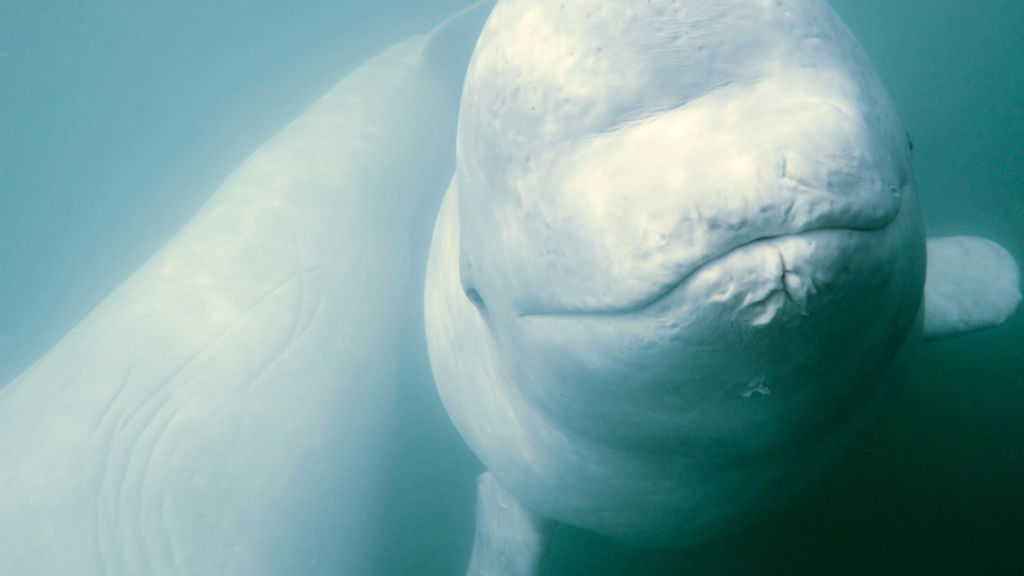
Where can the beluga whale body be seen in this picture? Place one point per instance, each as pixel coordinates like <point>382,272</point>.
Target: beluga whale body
<point>229,409</point>
<point>678,266</point>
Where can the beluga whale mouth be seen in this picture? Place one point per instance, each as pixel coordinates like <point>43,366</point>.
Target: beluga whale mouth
<point>783,285</point>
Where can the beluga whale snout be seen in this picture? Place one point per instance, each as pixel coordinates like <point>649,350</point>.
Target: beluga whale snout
<point>680,254</point>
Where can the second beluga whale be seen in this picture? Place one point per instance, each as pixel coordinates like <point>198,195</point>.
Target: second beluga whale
<point>679,260</point>
<point>230,408</point>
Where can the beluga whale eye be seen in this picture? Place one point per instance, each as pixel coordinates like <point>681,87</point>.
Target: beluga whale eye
<point>477,301</point>
<point>696,228</point>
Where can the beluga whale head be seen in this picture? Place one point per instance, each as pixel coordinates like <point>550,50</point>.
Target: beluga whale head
<point>681,249</point>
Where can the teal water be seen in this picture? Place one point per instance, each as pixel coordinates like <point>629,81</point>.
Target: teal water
<point>118,120</point>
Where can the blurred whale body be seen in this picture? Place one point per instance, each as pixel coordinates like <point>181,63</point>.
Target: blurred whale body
<point>681,252</point>
<point>228,409</point>
<point>673,276</point>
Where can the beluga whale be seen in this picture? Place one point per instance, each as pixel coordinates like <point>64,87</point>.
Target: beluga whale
<point>230,408</point>
<point>679,267</point>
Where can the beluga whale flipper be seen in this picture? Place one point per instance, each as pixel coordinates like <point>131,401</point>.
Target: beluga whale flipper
<point>227,409</point>
<point>680,258</point>
<point>972,283</point>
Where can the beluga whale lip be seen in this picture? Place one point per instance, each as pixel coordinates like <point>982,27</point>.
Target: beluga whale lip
<point>653,300</point>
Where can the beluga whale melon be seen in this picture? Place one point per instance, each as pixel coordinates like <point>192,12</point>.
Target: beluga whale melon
<point>677,266</point>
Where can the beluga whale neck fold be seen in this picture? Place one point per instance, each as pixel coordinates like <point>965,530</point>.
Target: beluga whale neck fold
<point>680,256</point>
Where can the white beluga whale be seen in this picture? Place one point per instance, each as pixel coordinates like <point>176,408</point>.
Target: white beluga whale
<point>680,258</point>
<point>680,249</point>
<point>229,408</point>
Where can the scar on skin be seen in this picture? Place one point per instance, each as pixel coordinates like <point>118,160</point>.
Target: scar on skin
<point>758,386</point>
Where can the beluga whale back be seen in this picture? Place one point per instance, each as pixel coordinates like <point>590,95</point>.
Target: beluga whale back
<point>680,257</point>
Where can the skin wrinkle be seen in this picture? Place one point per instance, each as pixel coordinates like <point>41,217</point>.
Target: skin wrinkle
<point>292,340</point>
<point>785,288</point>
<point>128,514</point>
<point>102,519</point>
<point>151,415</point>
<point>148,547</point>
<point>150,539</point>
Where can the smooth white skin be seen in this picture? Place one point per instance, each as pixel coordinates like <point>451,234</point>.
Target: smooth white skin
<point>510,540</point>
<point>228,409</point>
<point>681,248</point>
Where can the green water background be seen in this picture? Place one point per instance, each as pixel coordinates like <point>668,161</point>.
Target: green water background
<point>119,119</point>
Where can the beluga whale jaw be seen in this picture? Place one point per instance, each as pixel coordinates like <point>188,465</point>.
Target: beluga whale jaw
<point>679,257</point>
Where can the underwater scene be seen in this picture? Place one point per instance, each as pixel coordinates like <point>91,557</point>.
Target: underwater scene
<point>244,329</point>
